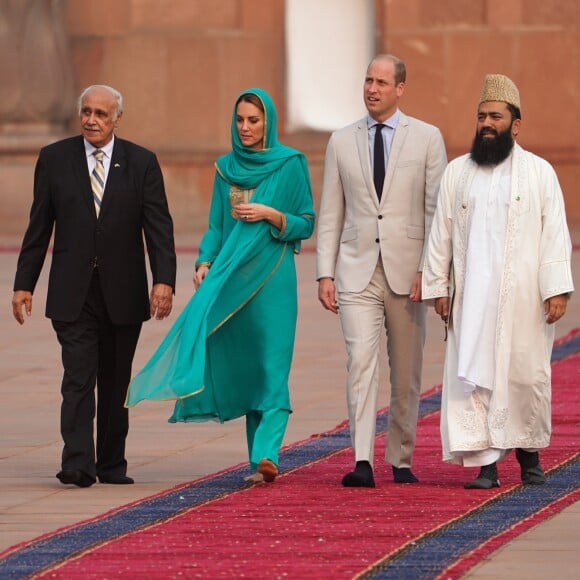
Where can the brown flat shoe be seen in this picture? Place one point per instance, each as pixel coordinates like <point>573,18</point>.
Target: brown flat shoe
<point>268,470</point>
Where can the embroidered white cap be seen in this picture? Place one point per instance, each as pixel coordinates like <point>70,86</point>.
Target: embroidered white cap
<point>498,87</point>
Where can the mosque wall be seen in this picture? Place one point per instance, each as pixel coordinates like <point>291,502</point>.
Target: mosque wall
<point>181,63</point>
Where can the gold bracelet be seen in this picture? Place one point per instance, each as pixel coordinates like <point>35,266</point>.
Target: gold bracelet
<point>283,226</point>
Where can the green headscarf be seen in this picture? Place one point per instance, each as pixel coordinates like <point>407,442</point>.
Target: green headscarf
<point>246,167</point>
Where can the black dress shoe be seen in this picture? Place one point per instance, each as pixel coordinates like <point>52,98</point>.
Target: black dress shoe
<point>530,469</point>
<point>486,479</point>
<point>75,477</point>
<point>362,476</point>
<point>116,479</point>
<point>403,475</point>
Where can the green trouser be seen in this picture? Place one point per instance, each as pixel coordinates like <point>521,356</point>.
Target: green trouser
<point>265,432</point>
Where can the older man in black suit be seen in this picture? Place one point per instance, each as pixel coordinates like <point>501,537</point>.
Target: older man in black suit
<point>101,195</point>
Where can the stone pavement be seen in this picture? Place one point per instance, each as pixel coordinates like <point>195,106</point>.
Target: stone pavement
<point>161,455</point>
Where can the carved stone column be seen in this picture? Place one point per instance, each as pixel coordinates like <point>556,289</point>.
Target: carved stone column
<point>36,85</point>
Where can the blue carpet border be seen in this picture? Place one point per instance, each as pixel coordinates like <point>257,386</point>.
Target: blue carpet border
<point>433,553</point>
<point>38,555</point>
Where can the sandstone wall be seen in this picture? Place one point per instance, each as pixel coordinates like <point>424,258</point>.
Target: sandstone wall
<point>180,64</point>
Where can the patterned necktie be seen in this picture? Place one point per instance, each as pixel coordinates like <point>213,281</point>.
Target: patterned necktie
<point>98,179</point>
<point>379,161</point>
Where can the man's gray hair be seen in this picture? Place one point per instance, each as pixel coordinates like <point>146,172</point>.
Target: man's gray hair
<point>114,92</point>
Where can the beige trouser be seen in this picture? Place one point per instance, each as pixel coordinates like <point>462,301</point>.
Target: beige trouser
<point>362,316</point>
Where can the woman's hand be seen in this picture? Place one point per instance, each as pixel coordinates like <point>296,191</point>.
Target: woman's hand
<point>199,275</point>
<point>256,212</point>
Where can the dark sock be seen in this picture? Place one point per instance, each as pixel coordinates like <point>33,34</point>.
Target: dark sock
<point>530,468</point>
<point>363,467</point>
<point>527,459</point>
<point>488,472</point>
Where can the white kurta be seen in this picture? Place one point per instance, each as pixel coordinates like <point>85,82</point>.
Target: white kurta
<point>489,197</point>
<point>532,264</point>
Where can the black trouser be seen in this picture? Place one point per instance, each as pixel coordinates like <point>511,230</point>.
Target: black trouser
<point>95,351</point>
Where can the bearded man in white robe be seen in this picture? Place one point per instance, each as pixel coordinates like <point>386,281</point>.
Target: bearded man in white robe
<point>498,266</point>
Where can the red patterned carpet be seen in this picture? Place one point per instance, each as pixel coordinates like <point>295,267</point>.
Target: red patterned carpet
<point>306,525</point>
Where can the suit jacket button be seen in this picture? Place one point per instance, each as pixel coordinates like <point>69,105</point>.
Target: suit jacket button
<point>377,240</point>
<point>380,216</point>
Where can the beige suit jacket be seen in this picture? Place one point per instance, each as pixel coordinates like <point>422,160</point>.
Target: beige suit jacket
<point>354,229</point>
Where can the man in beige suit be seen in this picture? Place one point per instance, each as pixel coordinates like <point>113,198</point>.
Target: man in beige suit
<point>374,219</point>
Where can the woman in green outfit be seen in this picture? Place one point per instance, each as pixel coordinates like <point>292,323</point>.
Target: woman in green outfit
<point>229,353</point>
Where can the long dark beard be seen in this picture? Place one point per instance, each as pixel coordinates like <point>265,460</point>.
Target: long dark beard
<point>492,151</point>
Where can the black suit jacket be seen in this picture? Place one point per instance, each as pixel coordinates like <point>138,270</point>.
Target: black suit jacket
<point>134,206</point>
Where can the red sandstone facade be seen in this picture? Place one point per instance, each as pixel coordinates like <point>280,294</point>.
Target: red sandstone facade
<point>180,64</point>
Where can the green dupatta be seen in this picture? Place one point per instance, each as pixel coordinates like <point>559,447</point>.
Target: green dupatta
<point>246,261</point>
